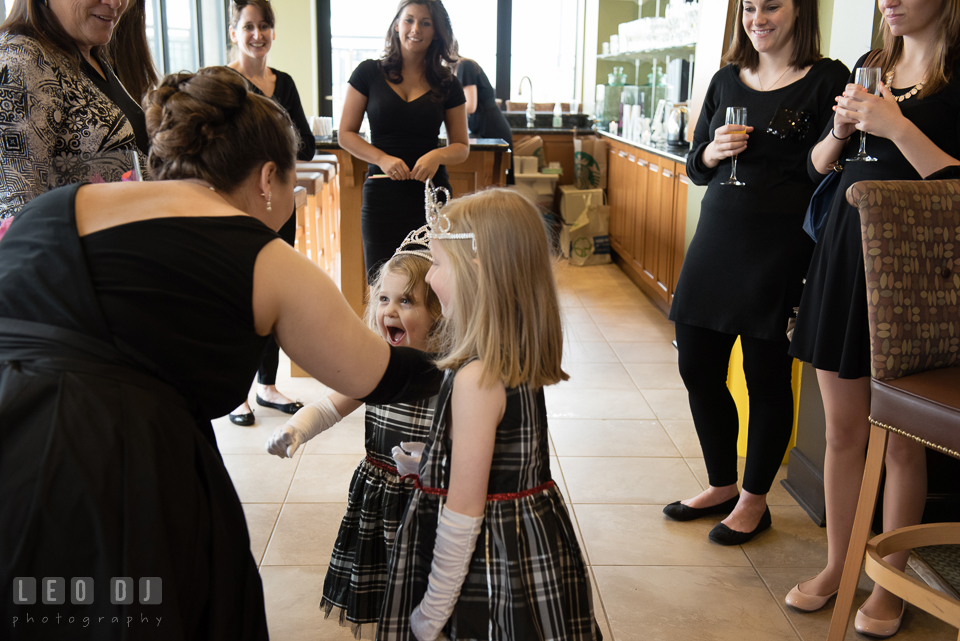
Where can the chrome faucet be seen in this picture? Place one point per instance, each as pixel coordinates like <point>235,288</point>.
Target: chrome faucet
<point>531,110</point>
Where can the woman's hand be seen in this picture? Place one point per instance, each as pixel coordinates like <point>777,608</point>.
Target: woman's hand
<point>426,166</point>
<point>395,168</point>
<point>728,140</point>
<point>876,115</point>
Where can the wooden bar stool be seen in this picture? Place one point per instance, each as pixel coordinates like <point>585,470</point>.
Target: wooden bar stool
<point>313,182</point>
<point>912,297</point>
<point>327,213</point>
<point>300,206</point>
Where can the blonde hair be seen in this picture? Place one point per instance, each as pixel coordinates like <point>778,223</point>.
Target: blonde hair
<point>947,50</point>
<point>414,269</point>
<point>505,309</point>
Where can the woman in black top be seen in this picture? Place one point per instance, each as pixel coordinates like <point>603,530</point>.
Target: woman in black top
<point>131,314</point>
<point>743,272</point>
<point>406,95</point>
<point>252,32</point>
<point>483,115</point>
<point>913,130</point>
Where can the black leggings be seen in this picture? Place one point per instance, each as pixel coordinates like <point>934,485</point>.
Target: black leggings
<point>704,360</point>
<point>270,360</point>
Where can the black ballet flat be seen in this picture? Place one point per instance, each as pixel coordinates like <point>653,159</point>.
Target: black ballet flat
<point>286,408</point>
<point>241,419</point>
<point>680,512</point>
<point>725,536</point>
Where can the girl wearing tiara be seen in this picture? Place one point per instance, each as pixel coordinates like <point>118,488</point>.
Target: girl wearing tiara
<point>404,311</point>
<point>486,549</point>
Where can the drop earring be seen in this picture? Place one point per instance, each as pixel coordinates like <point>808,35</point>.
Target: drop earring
<point>269,207</point>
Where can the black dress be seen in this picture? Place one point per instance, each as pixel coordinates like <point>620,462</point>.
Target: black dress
<point>407,130</point>
<point>487,121</point>
<point>832,331</point>
<point>743,272</point>
<point>116,350</point>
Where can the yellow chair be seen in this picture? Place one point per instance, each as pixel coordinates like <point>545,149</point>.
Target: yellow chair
<point>911,235</point>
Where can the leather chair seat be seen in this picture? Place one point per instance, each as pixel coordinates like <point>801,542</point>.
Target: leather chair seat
<point>923,405</point>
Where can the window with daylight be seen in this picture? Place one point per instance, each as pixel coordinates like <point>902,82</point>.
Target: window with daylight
<point>185,35</point>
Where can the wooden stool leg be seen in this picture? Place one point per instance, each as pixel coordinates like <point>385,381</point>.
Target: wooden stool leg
<point>867,505</point>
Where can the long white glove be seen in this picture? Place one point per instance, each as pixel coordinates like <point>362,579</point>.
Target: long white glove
<point>456,538</point>
<point>309,421</point>
<point>407,457</point>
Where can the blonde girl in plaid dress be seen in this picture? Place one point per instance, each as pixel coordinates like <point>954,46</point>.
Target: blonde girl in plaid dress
<point>404,310</point>
<point>486,549</point>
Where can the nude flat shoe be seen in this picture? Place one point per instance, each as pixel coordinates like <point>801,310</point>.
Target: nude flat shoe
<point>807,602</point>
<point>877,628</point>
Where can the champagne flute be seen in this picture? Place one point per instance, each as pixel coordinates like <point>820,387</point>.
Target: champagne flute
<point>869,79</point>
<point>736,116</point>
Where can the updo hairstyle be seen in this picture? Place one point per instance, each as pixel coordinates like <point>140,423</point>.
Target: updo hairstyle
<point>207,125</point>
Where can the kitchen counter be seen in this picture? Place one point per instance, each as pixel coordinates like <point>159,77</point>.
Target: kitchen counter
<point>537,131</point>
<point>675,154</point>
<point>328,143</point>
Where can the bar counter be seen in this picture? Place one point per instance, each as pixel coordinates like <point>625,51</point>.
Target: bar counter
<point>485,167</point>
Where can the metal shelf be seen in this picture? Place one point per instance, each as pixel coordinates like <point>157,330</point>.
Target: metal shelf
<point>650,54</point>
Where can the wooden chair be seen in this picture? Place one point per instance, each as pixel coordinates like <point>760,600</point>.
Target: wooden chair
<point>313,182</point>
<point>911,238</point>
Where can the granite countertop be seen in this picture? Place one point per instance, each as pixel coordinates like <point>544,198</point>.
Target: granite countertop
<point>677,154</point>
<point>571,131</point>
<point>476,144</point>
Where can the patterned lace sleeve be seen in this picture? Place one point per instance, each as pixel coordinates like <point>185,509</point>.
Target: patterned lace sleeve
<point>31,113</point>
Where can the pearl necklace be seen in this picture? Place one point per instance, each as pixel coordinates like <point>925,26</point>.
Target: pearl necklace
<point>759,82</point>
<point>910,94</point>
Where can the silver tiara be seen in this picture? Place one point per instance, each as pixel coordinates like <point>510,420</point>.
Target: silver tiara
<point>417,243</point>
<point>437,222</point>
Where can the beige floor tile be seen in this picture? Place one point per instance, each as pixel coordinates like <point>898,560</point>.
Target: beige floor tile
<point>588,352</point>
<point>569,298</point>
<point>598,609</point>
<point>323,478</point>
<point>609,376</point>
<point>668,404</point>
<point>557,473</point>
<point>614,296</point>
<point>305,534</point>
<point>645,352</point>
<point>626,315</point>
<point>252,439</point>
<point>778,495</point>
<point>638,332</point>
<point>684,437</point>
<point>292,599</point>
<point>719,604</point>
<point>642,535</point>
<point>582,331</point>
<point>261,519</point>
<point>574,315</point>
<point>655,375</point>
<point>794,540</point>
<point>260,478</point>
<point>611,438</point>
<point>652,481</point>
<point>917,624</point>
<point>596,403</point>
<point>346,437</point>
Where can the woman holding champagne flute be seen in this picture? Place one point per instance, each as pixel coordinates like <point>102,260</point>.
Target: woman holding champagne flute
<point>744,269</point>
<point>912,129</point>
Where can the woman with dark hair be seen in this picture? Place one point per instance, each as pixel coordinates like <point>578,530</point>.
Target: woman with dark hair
<point>743,273</point>
<point>57,64</point>
<point>252,25</point>
<point>483,115</point>
<point>133,313</point>
<point>913,130</point>
<point>407,95</point>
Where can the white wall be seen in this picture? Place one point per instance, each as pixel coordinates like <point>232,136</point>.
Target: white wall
<point>851,30</point>
<point>295,48</point>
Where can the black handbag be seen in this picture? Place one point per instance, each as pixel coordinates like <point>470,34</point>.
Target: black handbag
<point>820,202</point>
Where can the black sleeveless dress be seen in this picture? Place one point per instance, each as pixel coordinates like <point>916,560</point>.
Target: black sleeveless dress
<point>116,350</point>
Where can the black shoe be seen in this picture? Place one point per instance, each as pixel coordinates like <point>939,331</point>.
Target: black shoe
<point>680,512</point>
<point>725,536</point>
<point>286,408</point>
<point>242,419</point>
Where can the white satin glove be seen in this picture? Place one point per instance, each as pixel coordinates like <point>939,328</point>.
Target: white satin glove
<point>407,457</point>
<point>456,539</point>
<point>309,421</point>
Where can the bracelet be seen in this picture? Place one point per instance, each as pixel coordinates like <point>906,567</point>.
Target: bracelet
<point>838,137</point>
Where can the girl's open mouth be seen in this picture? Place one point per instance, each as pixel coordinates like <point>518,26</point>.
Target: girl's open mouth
<point>396,335</point>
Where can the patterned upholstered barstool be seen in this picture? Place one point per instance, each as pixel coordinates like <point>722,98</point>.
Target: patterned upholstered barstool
<point>911,248</point>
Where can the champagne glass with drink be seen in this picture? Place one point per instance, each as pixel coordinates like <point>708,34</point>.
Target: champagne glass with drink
<point>736,116</point>
<point>869,79</point>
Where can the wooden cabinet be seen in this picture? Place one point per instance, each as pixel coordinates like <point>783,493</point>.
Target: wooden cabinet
<point>557,147</point>
<point>648,210</point>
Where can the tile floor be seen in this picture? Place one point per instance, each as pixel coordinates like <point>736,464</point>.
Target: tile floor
<point>624,446</point>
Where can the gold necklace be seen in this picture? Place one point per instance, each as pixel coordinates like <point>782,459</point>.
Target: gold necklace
<point>760,82</point>
<point>910,94</point>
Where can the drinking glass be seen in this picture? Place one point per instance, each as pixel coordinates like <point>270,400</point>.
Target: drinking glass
<point>736,116</point>
<point>869,79</point>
